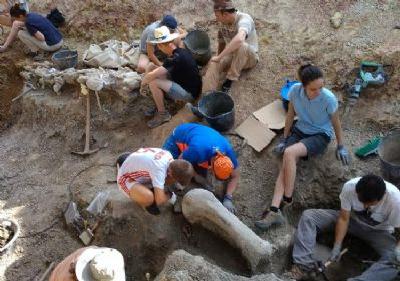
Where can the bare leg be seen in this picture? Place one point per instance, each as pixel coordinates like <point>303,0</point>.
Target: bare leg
<point>287,175</point>
<point>141,195</point>
<point>158,87</point>
<point>143,63</point>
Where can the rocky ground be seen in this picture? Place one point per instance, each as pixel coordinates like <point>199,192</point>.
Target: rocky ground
<point>40,130</point>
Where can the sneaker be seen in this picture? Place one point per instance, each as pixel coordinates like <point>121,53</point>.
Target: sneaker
<point>159,119</point>
<point>150,112</point>
<point>285,205</point>
<point>226,86</point>
<point>369,148</point>
<point>270,219</point>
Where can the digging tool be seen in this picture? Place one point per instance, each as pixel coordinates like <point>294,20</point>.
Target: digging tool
<point>47,272</point>
<point>29,87</point>
<point>86,150</point>
<point>321,267</point>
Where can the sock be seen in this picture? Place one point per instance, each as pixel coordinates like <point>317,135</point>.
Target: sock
<point>287,199</point>
<point>273,209</point>
<point>153,209</point>
<point>227,84</point>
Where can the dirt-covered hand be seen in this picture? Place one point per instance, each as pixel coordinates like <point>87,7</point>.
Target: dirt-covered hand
<point>343,155</point>
<point>335,253</point>
<point>281,146</point>
<point>229,204</point>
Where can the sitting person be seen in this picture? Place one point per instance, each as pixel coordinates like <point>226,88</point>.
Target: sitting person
<point>34,30</point>
<point>370,210</point>
<point>91,264</point>
<point>206,149</point>
<point>237,46</point>
<point>143,174</point>
<point>317,111</point>
<point>148,51</point>
<point>177,79</point>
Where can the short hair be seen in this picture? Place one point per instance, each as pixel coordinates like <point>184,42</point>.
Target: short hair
<point>17,11</point>
<point>370,188</point>
<point>122,157</point>
<point>182,171</point>
<point>308,73</point>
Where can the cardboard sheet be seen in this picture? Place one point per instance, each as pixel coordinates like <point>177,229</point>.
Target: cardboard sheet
<point>256,133</point>
<point>273,115</point>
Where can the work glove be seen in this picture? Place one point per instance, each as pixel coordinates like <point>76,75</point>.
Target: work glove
<point>281,146</point>
<point>227,202</point>
<point>343,155</point>
<point>335,253</point>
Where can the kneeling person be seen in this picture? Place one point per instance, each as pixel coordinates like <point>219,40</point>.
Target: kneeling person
<point>370,210</point>
<point>178,78</point>
<point>205,148</point>
<point>143,174</point>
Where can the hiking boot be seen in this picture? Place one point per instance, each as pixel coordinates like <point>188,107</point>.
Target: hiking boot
<point>297,273</point>
<point>194,110</point>
<point>150,112</point>
<point>270,219</point>
<point>226,86</point>
<point>159,119</point>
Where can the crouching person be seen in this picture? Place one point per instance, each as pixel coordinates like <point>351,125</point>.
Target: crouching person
<point>370,210</point>
<point>142,176</point>
<point>177,79</point>
<point>34,30</point>
<point>207,150</point>
<point>91,264</point>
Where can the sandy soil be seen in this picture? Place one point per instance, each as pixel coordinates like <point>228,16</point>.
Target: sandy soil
<point>37,166</point>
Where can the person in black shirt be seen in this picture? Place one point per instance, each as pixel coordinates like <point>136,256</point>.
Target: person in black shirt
<point>178,78</point>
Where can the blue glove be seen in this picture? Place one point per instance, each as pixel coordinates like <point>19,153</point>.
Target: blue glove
<point>343,155</point>
<point>281,146</point>
<point>335,253</point>
<point>228,204</point>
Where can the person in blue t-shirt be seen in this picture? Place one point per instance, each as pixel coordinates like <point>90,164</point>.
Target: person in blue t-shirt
<point>34,30</point>
<point>206,149</point>
<point>318,120</point>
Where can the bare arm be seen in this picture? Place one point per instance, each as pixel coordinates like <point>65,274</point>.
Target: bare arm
<point>16,26</point>
<point>342,225</point>
<point>233,45</point>
<point>152,57</point>
<point>289,120</point>
<point>160,197</point>
<point>337,127</point>
<point>233,182</point>
<point>154,74</point>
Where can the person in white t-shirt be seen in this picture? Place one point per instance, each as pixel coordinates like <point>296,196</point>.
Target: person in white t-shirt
<point>143,174</point>
<point>370,210</point>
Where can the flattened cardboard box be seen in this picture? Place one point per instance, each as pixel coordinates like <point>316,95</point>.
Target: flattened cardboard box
<point>273,115</point>
<point>256,133</point>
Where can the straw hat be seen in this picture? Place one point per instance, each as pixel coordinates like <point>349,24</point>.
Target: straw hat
<point>163,35</point>
<point>100,264</point>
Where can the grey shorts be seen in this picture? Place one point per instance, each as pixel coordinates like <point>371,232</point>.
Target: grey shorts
<point>315,144</point>
<point>176,92</point>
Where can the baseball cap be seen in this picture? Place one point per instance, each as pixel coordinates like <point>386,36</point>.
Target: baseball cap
<point>222,166</point>
<point>169,21</point>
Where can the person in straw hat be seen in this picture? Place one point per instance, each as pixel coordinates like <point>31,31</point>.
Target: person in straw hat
<point>237,46</point>
<point>91,264</point>
<point>177,79</point>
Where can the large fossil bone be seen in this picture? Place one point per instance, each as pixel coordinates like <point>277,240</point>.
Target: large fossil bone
<point>200,206</point>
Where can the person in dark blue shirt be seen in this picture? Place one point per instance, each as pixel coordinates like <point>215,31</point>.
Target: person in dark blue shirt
<point>34,30</point>
<point>206,149</point>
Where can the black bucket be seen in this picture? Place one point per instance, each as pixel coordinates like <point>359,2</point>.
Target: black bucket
<point>198,43</point>
<point>389,154</point>
<point>64,59</point>
<point>218,110</point>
